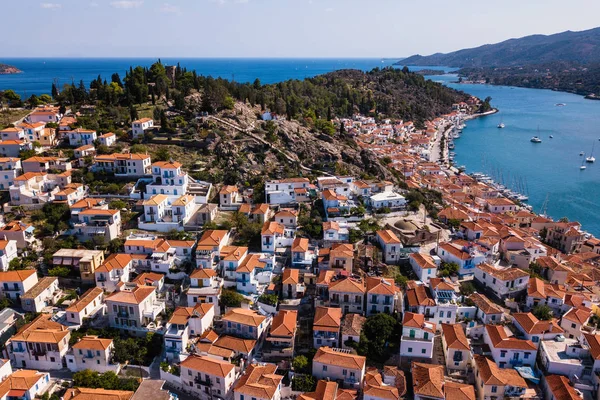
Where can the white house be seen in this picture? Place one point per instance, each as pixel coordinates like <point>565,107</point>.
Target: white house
<point>8,252</point>
<point>259,382</point>
<point>207,377</point>
<point>335,231</point>
<point>339,364</point>
<point>417,336</point>
<point>487,311</point>
<point>383,296</point>
<point>133,308</point>
<point>390,245</point>
<point>138,127</point>
<point>114,270</point>
<point>94,353</point>
<point>503,282</point>
<point>287,191</point>
<point>391,200</point>
<point>508,351</point>
<point>187,322</point>
<point>44,293</point>
<point>24,384</point>
<point>536,330</point>
<point>465,256</point>
<point>424,266</point>
<point>108,139</point>
<point>14,284</point>
<point>456,346</point>
<point>246,323</point>
<point>275,235</point>
<point>494,382</point>
<point>574,320</point>
<point>80,137</point>
<point>88,305</point>
<point>326,326</point>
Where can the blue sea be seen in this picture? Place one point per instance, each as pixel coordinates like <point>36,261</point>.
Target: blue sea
<point>549,170</point>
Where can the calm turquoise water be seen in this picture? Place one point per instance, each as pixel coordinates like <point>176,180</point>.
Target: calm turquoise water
<point>550,168</point>
<point>39,73</point>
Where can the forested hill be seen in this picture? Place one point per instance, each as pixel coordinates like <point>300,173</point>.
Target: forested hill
<point>389,92</point>
<point>573,47</point>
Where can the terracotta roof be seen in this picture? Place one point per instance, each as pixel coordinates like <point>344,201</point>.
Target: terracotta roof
<point>419,296</point>
<point>535,288</point>
<point>260,209</point>
<point>156,200</point>
<point>235,344</point>
<point>388,236</point>
<point>16,276</point>
<point>327,319</point>
<point>233,253</point>
<point>212,237</point>
<point>290,276</point>
<point>326,390</point>
<point>284,323</point>
<point>428,379</point>
<point>272,228</point>
<point>384,286</point>
<point>148,278</point>
<point>561,388</point>
<point>413,320</point>
<point>348,285</point>
<point>167,164</point>
<point>331,225</point>
<point>208,365</point>
<point>485,304</point>
<point>203,273</point>
<point>228,189</point>
<point>93,343</point>
<point>115,261</point>
<point>134,296</point>
<point>19,381</point>
<point>325,277</point>
<point>250,263</point>
<point>85,299</point>
<point>425,261</point>
<point>341,250</point>
<point>504,274</point>
<point>500,339</point>
<point>594,342</point>
<point>259,381</point>
<point>374,386</point>
<point>352,324</point>
<point>244,317</point>
<point>42,330</point>
<point>329,356</point>
<point>532,325</point>
<point>455,337</point>
<point>579,315</point>
<point>491,374</point>
<point>183,200</point>
<point>459,391</point>
<point>300,245</point>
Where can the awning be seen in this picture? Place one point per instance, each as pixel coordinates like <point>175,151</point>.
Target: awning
<point>528,373</point>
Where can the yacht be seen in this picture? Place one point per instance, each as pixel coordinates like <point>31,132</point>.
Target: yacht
<point>501,125</point>
<point>551,137</point>
<point>582,165</point>
<point>560,104</point>
<point>591,158</point>
<point>581,153</point>
<point>536,139</point>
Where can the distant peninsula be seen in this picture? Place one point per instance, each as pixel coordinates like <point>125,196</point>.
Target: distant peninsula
<point>9,69</point>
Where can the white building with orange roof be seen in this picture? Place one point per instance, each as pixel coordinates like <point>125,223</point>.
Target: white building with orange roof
<point>44,164</point>
<point>209,247</point>
<point>163,213</point>
<point>535,330</point>
<point>259,382</point>
<point>43,294</point>
<point>32,131</point>
<point>492,381</point>
<point>41,344</point>
<point>465,254</point>
<point>81,393</point>
<point>245,323</point>
<point>375,387</point>
<point>326,326</point>
<point>328,390</point>
<point>387,199</point>
<point>87,306</point>
<point>71,193</point>
<point>45,114</point>
<point>417,336</point>
<point>275,235</point>
<point>82,260</point>
<point>390,244</point>
<point>207,377</point>
<point>140,126</point>
<point>260,213</point>
<point>14,284</point>
<point>8,252</point>
<point>383,296</point>
<point>287,217</point>
<point>287,191</point>
<point>503,282</point>
<point>334,231</point>
<point>509,351</point>
<point>338,364</point>
<point>33,188</point>
<point>230,198</point>
<point>183,209</point>
<point>12,133</point>
<point>114,270</point>
<point>186,322</point>
<point>246,274</point>
<point>303,254</point>
<point>348,294</point>
<point>574,322</point>
<point>97,224</point>
<point>87,150</point>
<point>10,168</point>
<point>123,164</point>
<point>341,258</point>
<point>93,353</point>
<point>291,286</point>
<point>457,348</point>
<point>24,384</point>
<point>282,335</point>
<point>168,179</point>
<point>107,139</point>
<point>134,309</point>
<point>500,205</point>
<point>424,266</point>
<point>20,232</point>
<point>79,137</point>
<point>12,148</point>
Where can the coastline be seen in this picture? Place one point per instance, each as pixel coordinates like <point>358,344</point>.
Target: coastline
<point>485,114</point>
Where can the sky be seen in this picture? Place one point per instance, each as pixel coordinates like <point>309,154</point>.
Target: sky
<point>278,28</point>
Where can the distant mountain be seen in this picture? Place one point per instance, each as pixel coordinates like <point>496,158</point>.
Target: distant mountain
<point>8,69</point>
<point>573,47</point>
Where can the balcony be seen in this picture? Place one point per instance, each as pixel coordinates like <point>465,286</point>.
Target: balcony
<point>204,382</point>
<point>123,314</point>
<point>39,353</point>
<point>19,350</point>
<point>101,279</point>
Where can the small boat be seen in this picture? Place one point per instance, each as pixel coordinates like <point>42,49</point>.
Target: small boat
<point>560,104</point>
<point>582,165</point>
<point>591,158</point>
<point>551,137</point>
<point>501,125</point>
<point>536,139</point>
<point>581,153</point>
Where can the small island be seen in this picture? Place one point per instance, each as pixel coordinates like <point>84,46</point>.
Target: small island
<point>9,69</point>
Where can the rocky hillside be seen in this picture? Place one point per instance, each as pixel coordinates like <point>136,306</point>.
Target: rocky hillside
<point>8,69</point>
<point>574,47</point>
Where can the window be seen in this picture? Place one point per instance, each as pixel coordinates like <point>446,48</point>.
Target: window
<point>410,349</point>
<point>494,389</point>
<point>441,314</point>
<point>494,280</point>
<point>573,326</point>
<point>423,351</point>
<point>448,314</point>
<point>503,353</point>
<point>324,368</point>
<point>344,372</point>
<point>527,355</point>
<point>535,339</point>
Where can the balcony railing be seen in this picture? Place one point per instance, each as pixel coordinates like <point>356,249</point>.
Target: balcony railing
<point>39,353</point>
<point>123,314</point>
<point>204,382</point>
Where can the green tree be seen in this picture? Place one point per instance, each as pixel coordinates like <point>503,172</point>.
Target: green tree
<point>230,298</point>
<point>467,288</point>
<point>448,269</point>
<point>300,363</point>
<point>61,272</point>
<point>541,312</point>
<point>304,383</point>
<point>378,336</point>
<point>270,299</point>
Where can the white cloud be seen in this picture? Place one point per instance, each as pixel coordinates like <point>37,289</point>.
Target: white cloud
<point>170,8</point>
<point>50,6</point>
<point>219,2</point>
<point>242,1</point>
<point>127,3</point>
<point>94,4</point>
<point>329,9</point>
